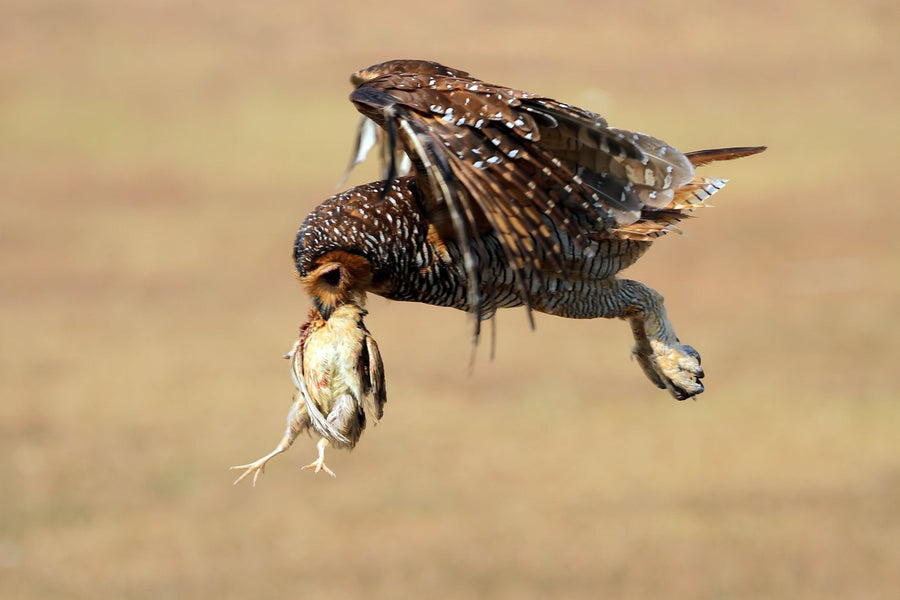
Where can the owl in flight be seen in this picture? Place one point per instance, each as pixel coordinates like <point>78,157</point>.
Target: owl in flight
<point>495,198</point>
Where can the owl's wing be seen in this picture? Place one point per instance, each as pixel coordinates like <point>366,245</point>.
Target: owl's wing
<point>491,158</point>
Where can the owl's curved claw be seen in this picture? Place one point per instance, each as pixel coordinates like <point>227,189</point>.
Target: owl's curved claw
<point>674,368</point>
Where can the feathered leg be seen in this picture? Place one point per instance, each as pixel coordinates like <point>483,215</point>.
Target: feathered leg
<point>666,362</point>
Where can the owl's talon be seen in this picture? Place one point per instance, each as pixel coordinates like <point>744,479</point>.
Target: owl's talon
<point>691,363</point>
<point>676,369</point>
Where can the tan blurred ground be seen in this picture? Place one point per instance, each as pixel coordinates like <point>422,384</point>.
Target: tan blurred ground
<point>156,159</point>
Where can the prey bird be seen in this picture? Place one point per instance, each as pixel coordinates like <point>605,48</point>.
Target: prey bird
<point>491,198</point>
<point>339,375</point>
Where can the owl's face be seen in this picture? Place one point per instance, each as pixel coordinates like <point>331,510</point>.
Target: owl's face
<point>334,254</point>
<point>336,278</point>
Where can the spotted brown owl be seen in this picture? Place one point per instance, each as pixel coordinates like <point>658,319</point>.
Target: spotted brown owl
<point>491,198</point>
<point>513,199</point>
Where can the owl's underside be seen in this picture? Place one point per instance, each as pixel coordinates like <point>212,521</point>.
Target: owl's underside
<point>410,262</point>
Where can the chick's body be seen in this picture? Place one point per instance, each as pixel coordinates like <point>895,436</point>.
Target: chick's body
<point>338,371</point>
<point>337,364</point>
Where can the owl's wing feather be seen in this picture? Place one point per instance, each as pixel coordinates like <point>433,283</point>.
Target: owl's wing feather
<point>655,221</point>
<point>367,137</point>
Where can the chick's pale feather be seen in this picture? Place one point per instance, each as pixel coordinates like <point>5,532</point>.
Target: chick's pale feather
<point>339,375</point>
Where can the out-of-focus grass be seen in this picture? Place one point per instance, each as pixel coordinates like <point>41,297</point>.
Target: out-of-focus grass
<point>155,161</point>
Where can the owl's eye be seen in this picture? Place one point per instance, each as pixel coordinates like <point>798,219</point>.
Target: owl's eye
<point>332,276</point>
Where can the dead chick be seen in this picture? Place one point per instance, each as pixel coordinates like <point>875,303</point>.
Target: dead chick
<point>339,375</point>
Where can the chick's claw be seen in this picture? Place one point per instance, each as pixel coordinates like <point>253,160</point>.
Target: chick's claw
<point>296,422</point>
<point>319,463</point>
<point>256,468</point>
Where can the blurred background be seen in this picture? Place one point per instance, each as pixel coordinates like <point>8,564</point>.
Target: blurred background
<point>156,159</point>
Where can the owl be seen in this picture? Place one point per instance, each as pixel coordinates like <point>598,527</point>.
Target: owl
<point>491,198</point>
<point>510,199</point>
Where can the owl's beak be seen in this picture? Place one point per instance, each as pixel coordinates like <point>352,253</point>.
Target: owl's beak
<point>325,309</point>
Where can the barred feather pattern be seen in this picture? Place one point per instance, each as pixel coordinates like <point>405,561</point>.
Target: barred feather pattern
<point>385,223</point>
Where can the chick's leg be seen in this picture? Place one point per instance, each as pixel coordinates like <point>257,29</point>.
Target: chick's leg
<point>319,463</point>
<point>297,421</point>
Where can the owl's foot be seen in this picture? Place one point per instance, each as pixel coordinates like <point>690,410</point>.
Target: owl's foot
<point>319,463</point>
<point>257,467</point>
<point>674,368</point>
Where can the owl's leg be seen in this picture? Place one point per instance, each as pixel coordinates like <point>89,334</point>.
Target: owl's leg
<point>666,362</point>
<point>319,463</point>
<point>663,359</point>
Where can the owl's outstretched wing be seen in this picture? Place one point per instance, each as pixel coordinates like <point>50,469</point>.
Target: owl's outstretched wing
<point>489,158</point>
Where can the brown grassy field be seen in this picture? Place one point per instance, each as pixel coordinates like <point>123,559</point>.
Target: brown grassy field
<point>156,159</point>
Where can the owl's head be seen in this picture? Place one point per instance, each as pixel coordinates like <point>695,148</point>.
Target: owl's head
<point>354,242</point>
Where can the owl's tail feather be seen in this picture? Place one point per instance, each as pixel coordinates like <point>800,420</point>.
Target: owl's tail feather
<point>704,157</point>
<point>655,222</point>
